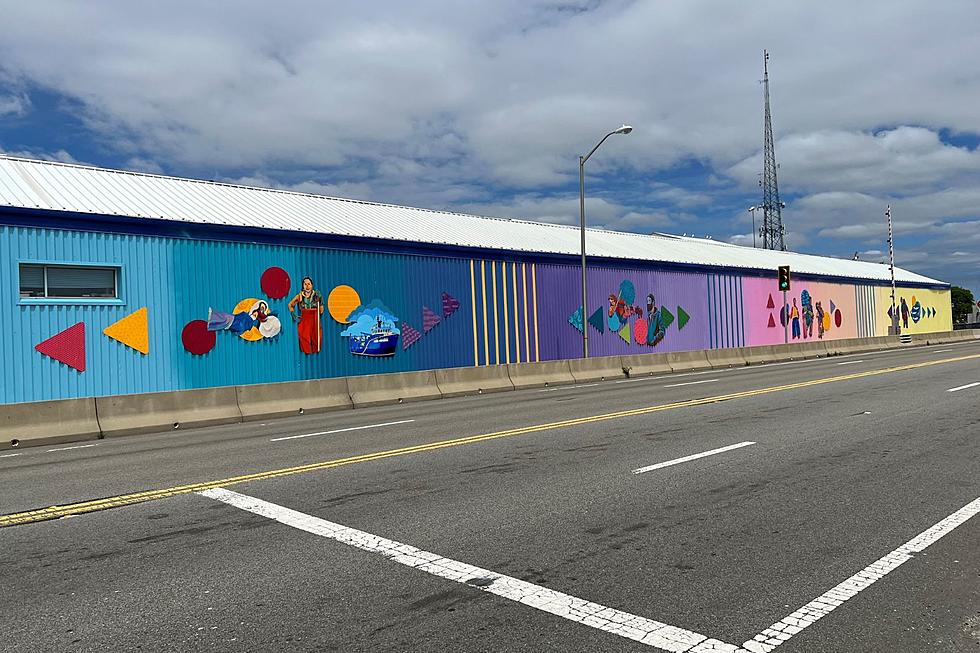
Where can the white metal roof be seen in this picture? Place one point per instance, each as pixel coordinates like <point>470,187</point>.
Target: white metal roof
<point>27,183</point>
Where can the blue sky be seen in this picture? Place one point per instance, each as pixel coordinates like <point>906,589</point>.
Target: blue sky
<point>485,109</point>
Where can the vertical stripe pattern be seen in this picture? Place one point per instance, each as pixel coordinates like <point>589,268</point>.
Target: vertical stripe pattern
<point>725,302</point>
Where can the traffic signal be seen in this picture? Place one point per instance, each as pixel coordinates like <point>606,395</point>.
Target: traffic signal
<point>784,277</point>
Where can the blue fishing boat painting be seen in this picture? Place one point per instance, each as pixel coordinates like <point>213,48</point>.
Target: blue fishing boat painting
<point>372,331</point>
<point>382,341</point>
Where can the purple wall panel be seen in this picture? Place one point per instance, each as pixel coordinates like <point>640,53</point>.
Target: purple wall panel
<point>559,288</point>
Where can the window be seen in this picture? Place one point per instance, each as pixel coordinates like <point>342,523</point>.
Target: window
<point>67,282</point>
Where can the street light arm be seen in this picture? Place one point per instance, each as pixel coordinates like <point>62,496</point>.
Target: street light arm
<point>586,157</point>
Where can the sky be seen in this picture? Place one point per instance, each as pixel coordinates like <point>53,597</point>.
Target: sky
<point>485,108</point>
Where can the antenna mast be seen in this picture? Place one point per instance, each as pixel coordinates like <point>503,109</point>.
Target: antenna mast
<point>772,219</point>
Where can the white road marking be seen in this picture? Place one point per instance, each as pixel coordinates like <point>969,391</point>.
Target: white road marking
<point>9,455</point>
<point>569,387</point>
<point>964,387</point>
<point>685,459</point>
<point>80,446</point>
<point>677,385</point>
<point>824,604</point>
<point>587,613</point>
<point>941,351</point>
<point>850,362</point>
<point>352,428</point>
<point>680,375</point>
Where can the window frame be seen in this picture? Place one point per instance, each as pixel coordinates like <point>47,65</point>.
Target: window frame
<point>68,301</point>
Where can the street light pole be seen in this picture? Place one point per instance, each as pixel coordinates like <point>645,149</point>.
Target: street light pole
<point>625,129</point>
<point>891,264</point>
<point>752,210</point>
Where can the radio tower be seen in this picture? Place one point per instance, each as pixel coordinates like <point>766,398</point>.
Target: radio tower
<point>772,219</point>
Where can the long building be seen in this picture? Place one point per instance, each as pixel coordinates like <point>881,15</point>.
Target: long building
<point>117,282</point>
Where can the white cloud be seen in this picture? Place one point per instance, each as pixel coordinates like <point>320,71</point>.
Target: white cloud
<point>14,104</point>
<point>487,107</point>
<point>904,160</point>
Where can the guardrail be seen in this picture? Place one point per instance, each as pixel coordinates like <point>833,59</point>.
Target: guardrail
<point>73,420</point>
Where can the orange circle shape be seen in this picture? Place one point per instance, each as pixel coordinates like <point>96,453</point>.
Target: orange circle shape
<point>341,302</point>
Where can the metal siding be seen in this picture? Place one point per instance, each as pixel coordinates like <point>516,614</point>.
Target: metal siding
<point>81,189</point>
<point>178,280</point>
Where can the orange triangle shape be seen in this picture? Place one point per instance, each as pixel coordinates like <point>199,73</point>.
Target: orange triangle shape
<point>132,331</point>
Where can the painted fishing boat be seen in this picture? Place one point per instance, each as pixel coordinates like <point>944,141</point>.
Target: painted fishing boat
<point>382,341</point>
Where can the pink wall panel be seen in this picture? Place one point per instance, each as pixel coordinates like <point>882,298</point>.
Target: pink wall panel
<point>763,325</point>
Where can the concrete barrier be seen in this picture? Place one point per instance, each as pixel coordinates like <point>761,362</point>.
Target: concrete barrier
<point>584,370</point>
<point>539,375</point>
<point>460,381</point>
<point>725,358</point>
<point>48,422</point>
<point>688,361</point>
<point>269,400</point>
<point>381,389</point>
<point>814,349</point>
<point>646,364</point>
<point>166,411</point>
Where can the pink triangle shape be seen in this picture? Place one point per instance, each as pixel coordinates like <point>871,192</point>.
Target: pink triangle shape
<point>410,335</point>
<point>66,347</point>
<point>429,319</point>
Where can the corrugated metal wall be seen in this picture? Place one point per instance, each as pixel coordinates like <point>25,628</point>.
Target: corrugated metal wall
<point>509,311</point>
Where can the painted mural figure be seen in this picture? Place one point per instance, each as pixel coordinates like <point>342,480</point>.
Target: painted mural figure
<point>656,329</point>
<point>807,303</point>
<point>310,303</point>
<point>820,320</point>
<point>243,321</point>
<point>905,314</point>
<point>794,315</point>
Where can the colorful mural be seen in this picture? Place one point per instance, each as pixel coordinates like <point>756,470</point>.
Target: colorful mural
<point>372,331</point>
<point>457,311</point>
<point>921,310</point>
<point>250,320</point>
<point>815,311</point>
<point>309,327</point>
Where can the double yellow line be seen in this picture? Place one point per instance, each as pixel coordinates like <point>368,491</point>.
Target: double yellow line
<point>56,512</point>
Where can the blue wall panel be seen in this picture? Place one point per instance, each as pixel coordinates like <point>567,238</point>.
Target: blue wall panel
<point>178,280</point>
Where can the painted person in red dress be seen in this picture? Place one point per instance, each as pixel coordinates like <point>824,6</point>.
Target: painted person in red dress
<point>310,303</point>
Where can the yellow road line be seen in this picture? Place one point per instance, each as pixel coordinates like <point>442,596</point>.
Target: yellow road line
<point>55,512</point>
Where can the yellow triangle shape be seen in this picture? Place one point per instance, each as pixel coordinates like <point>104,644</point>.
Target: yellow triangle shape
<point>132,331</point>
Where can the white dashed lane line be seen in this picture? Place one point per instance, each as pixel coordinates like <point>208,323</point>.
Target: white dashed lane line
<point>640,629</point>
<point>352,428</point>
<point>9,455</point>
<point>964,387</point>
<point>685,459</point>
<point>677,385</point>
<point>80,446</point>
<point>850,362</point>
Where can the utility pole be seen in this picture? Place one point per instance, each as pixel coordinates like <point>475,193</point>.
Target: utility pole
<point>891,258</point>
<point>772,219</point>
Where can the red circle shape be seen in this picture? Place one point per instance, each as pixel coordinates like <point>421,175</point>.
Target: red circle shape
<point>838,318</point>
<point>196,337</point>
<point>275,283</point>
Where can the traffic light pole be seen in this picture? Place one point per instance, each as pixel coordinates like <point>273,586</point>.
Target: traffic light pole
<point>786,320</point>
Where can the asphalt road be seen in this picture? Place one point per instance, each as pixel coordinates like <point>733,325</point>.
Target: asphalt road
<point>538,538</point>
